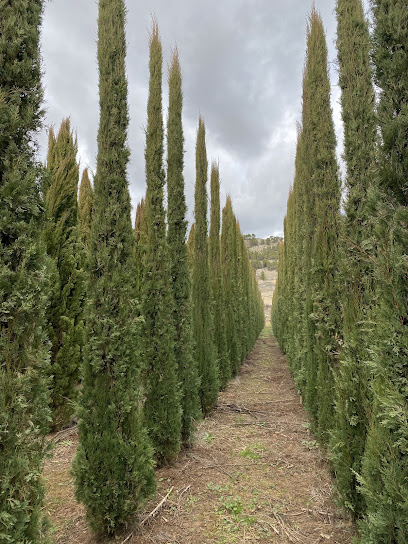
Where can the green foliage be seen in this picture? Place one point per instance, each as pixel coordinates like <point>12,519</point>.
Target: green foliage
<point>266,256</point>
<point>163,409</point>
<point>62,241</point>
<point>113,466</point>
<point>85,200</point>
<point>24,280</point>
<point>243,304</point>
<point>360,134</point>
<point>190,248</point>
<point>140,245</point>
<point>241,294</point>
<point>384,474</point>
<point>361,278</point>
<point>229,284</point>
<point>180,274</point>
<point>306,307</point>
<point>277,311</point>
<point>389,55</point>
<point>325,184</point>
<point>202,311</point>
<point>216,279</point>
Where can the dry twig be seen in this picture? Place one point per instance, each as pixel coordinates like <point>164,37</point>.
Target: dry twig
<point>155,511</point>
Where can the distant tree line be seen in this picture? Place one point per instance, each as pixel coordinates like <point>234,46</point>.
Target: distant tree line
<point>341,303</point>
<point>132,330</point>
<point>266,256</point>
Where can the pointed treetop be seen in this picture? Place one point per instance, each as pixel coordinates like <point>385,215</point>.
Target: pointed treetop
<point>85,181</point>
<point>154,34</point>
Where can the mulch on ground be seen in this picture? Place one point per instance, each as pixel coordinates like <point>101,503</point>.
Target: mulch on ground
<point>254,475</point>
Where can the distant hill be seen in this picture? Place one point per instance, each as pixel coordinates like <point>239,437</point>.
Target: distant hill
<point>263,252</point>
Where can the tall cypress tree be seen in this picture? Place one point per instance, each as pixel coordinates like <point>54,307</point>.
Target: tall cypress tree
<point>113,465</point>
<point>277,300</point>
<point>299,294</point>
<point>307,333</point>
<point>242,330</point>
<point>324,207</point>
<point>85,200</point>
<point>140,244</point>
<point>163,409</point>
<point>360,135</point>
<point>245,312</point>
<point>307,317</point>
<point>203,318</point>
<point>216,278</point>
<point>176,237</point>
<point>229,286</point>
<point>61,235</point>
<point>24,283</point>
<point>385,463</point>
<point>190,249</point>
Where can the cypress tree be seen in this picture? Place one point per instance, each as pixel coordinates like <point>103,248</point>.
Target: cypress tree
<point>299,291</point>
<point>85,200</point>
<point>190,249</point>
<point>307,334</point>
<point>216,278</point>
<point>290,280</point>
<point>203,319</point>
<point>61,236</point>
<point>163,409</point>
<point>113,465</point>
<point>385,464</point>
<point>243,304</point>
<point>229,280</point>
<point>140,244</point>
<point>176,237</point>
<point>289,302</point>
<point>284,281</point>
<point>24,282</point>
<point>240,292</point>
<point>247,313</point>
<point>306,318</point>
<point>360,135</point>
<point>243,313</point>
<point>322,297</point>
<point>276,310</point>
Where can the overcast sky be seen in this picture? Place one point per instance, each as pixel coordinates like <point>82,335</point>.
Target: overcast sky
<point>242,63</point>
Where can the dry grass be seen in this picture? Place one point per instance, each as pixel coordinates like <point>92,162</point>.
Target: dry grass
<point>254,474</point>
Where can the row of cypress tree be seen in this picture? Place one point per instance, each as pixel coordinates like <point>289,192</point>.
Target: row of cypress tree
<point>341,304</point>
<point>122,326</point>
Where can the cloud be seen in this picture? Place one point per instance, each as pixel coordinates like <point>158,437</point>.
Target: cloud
<point>242,63</point>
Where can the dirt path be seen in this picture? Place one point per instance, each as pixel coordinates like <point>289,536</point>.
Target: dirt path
<point>254,475</point>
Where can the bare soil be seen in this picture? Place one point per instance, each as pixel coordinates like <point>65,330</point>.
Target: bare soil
<point>255,474</point>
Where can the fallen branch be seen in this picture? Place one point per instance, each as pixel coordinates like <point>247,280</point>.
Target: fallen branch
<point>239,409</point>
<point>127,538</point>
<point>292,535</point>
<point>181,495</point>
<point>156,510</point>
<point>269,522</point>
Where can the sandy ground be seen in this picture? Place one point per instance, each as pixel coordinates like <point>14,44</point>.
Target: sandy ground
<point>254,474</point>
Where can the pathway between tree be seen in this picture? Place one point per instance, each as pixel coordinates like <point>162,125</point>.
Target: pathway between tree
<point>255,473</point>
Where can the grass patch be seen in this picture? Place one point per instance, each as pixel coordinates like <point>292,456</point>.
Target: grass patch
<point>267,331</point>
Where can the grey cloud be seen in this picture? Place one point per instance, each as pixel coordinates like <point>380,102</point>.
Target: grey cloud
<point>242,63</point>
